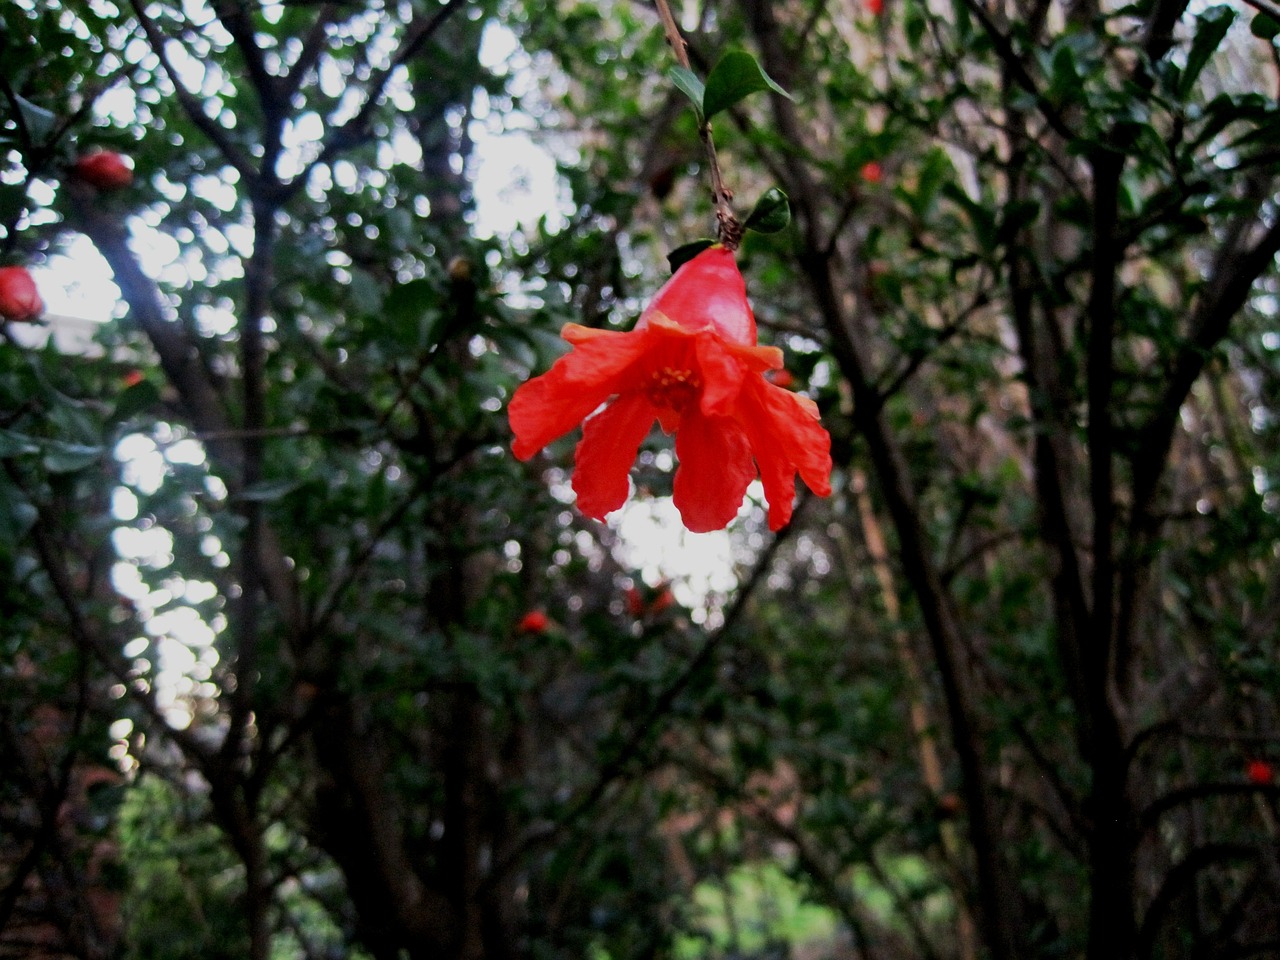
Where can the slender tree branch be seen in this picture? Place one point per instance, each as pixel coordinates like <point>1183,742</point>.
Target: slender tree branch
<point>997,892</point>
<point>193,107</point>
<point>340,138</point>
<point>918,357</point>
<point>258,273</point>
<point>1231,280</point>
<point>1003,47</point>
<point>313,46</point>
<point>235,17</point>
<point>327,608</point>
<point>179,359</point>
<point>86,637</point>
<point>1182,875</point>
<point>833,888</point>
<point>1100,376</point>
<point>730,229</point>
<point>1150,816</point>
<point>616,765</point>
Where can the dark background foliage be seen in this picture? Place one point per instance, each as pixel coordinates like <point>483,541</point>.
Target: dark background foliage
<point>1010,692</point>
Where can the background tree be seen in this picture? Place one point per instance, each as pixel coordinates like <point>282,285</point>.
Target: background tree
<point>268,684</point>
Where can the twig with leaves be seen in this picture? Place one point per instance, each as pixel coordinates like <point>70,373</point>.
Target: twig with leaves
<point>730,228</point>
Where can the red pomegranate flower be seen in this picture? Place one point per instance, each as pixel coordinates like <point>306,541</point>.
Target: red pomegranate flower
<point>692,364</point>
<point>19,298</point>
<point>104,169</point>
<point>535,621</point>
<point>663,601</point>
<point>1259,772</point>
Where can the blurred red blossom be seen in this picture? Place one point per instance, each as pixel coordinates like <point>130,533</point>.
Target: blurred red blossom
<point>19,298</point>
<point>104,169</point>
<point>535,621</point>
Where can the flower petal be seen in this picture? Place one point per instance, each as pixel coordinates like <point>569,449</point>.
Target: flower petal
<point>786,436</point>
<point>721,375</point>
<point>549,406</point>
<point>715,470</point>
<point>708,291</point>
<point>757,359</point>
<point>606,451</point>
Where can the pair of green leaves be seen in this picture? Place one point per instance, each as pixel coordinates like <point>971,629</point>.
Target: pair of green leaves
<point>736,76</point>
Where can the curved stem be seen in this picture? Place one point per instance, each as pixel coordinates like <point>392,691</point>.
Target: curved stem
<point>728,226</point>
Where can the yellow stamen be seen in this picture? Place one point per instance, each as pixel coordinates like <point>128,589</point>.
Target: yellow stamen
<point>672,388</point>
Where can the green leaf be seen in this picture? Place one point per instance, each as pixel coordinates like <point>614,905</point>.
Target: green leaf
<point>1212,26</point>
<point>737,75</point>
<point>63,457</point>
<point>686,252</point>
<point>39,121</point>
<point>413,312</point>
<point>771,213</point>
<point>15,444</point>
<point>687,82</point>
<point>962,18</point>
<point>269,491</point>
<point>935,171</point>
<point>983,220</point>
<point>143,395</point>
<point>914,25</point>
<point>1065,82</point>
<point>17,515</point>
<point>1265,27</point>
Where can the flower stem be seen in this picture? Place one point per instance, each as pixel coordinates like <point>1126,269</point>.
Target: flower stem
<point>729,227</point>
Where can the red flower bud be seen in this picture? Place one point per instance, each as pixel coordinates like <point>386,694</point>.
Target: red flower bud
<point>871,172</point>
<point>875,7</point>
<point>662,601</point>
<point>642,604</point>
<point>104,169</point>
<point>132,378</point>
<point>19,298</point>
<point>1259,772</point>
<point>535,621</point>
<point>783,379</point>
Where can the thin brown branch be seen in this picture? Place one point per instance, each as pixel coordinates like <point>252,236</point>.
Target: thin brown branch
<point>193,107</point>
<point>730,228</point>
<point>235,17</point>
<point>833,888</point>
<point>342,582</point>
<point>1149,817</point>
<point>312,47</point>
<point>1003,47</point>
<point>1234,273</point>
<point>917,358</point>
<point>354,130</point>
<point>201,401</point>
<point>997,890</point>
<point>87,638</point>
<point>615,766</point>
